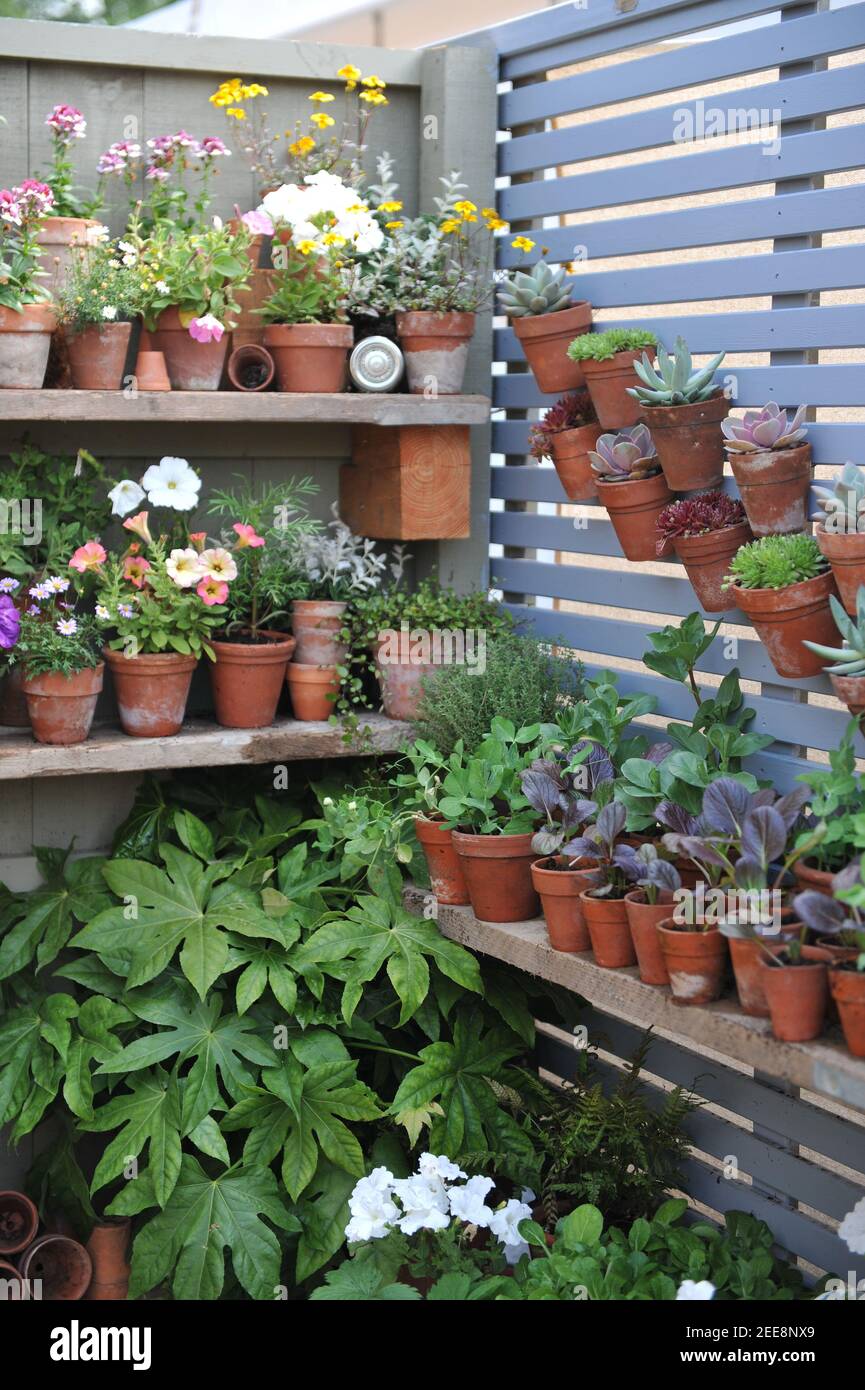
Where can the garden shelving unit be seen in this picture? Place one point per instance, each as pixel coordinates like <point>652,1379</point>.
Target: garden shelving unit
<point>241,408</point>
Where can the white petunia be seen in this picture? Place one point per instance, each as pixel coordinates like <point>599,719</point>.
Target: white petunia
<point>436,1165</point>
<point>125,497</point>
<point>424,1202</point>
<point>172,483</point>
<point>504,1224</point>
<point>691,1291</point>
<point>373,1211</point>
<point>852,1228</point>
<point>184,568</point>
<point>468,1204</point>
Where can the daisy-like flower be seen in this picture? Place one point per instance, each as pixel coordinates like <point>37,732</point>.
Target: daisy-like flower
<point>40,591</point>
<point>247,536</point>
<point>212,591</point>
<point>126,610</point>
<point>523,243</point>
<point>57,585</point>
<point>393,226</point>
<point>218,563</point>
<point>321,120</point>
<point>90,556</point>
<point>109,312</point>
<point>138,525</point>
<point>306,247</point>
<point>302,146</point>
<point>8,585</point>
<point>184,567</point>
<point>125,497</point>
<point>172,483</point>
<point>135,569</point>
<point>103,613</point>
<point>206,329</point>
<point>67,627</point>
<point>393,205</point>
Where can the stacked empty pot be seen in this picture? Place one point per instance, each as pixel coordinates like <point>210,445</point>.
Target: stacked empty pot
<point>313,675</point>
<point>52,1267</point>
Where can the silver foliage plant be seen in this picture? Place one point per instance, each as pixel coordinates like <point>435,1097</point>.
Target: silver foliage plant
<point>337,563</point>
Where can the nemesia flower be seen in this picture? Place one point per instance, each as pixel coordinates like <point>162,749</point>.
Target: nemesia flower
<point>258,222</point>
<point>351,75</point>
<point>212,591</point>
<point>206,329</point>
<point>10,623</point>
<point>125,497</point>
<point>118,156</point>
<point>467,1202</point>
<point>68,122</point>
<point>8,585</point>
<point>218,563</point>
<point>172,483</point>
<point>321,120</point>
<point>852,1229</point>
<point>135,569</point>
<point>67,627</point>
<point>88,557</point>
<point>247,536</point>
<point>184,567</point>
<point>694,1291</point>
<point>138,525</point>
<point>321,97</point>
<point>212,146</point>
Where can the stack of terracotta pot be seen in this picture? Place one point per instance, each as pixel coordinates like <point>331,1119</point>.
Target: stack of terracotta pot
<point>53,1267</point>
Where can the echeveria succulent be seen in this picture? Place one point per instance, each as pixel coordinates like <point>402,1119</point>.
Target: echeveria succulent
<point>849,659</point>
<point>540,290</point>
<point>844,497</point>
<point>674,382</point>
<point>626,456</point>
<point>762,430</point>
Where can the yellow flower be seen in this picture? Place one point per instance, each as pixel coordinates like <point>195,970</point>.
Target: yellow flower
<point>228,92</point>
<point>306,247</point>
<point>522,243</point>
<point>392,226</point>
<point>254,89</point>
<point>321,97</point>
<point>393,206</point>
<point>351,75</point>
<point>373,81</point>
<point>303,145</point>
<point>495,224</point>
<point>237,112</point>
<point>358,207</point>
<point>333,239</point>
<point>452,224</point>
<point>465,208</point>
<point>374,98</point>
<point>321,121</point>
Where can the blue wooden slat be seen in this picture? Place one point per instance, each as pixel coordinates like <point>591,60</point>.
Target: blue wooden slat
<point>530,31</point>
<point>832,444</point>
<point>827,384</point>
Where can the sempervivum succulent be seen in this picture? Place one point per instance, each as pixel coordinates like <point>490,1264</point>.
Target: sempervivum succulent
<point>762,430</point>
<point>536,291</point>
<point>569,413</point>
<point>695,516</point>
<point>626,456</point>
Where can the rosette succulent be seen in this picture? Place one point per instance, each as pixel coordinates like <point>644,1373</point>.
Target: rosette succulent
<point>625,457</point>
<point>540,290</point>
<point>695,516</point>
<point>849,659</point>
<point>569,413</point>
<point>773,562</point>
<point>675,382</point>
<point>844,495</point>
<point>764,430</point>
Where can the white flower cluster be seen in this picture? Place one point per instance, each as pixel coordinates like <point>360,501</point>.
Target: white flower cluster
<point>852,1229</point>
<point>300,206</point>
<point>337,556</point>
<point>170,483</point>
<point>427,1201</point>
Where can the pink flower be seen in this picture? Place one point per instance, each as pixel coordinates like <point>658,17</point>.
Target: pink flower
<point>68,122</point>
<point>198,539</point>
<point>88,557</point>
<point>206,329</point>
<point>135,568</point>
<point>212,145</point>
<point>246,536</point>
<point>258,222</point>
<point>138,524</point>
<point>212,591</point>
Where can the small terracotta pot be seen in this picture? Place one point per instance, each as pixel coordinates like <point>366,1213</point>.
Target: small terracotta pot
<point>316,624</point>
<point>151,373</point>
<point>9,1276</point>
<point>695,962</point>
<point>570,450</point>
<point>25,342</point>
<point>808,876</point>
<point>251,368</point>
<point>797,995</point>
<point>61,1265</point>
<point>689,441</point>
<point>19,1222</point>
<point>399,676</point>
<point>436,349</point>
<point>643,919</point>
<point>747,955</point>
<point>634,509</point>
<point>249,326</point>
<point>447,879</point>
<point>783,618</point>
<point>13,704</point>
<point>310,688</point>
<point>63,240</point>
<point>61,708</point>
<point>151,691</point>
<point>707,559</point>
<point>559,891</point>
<point>247,679</point>
<point>108,1248</point>
<point>310,357</point>
<point>848,992</point>
<point>97,356</point>
<point>851,691</point>
<point>498,875</point>
<point>775,486</point>
<point>608,384</point>
<point>544,339</point>
<point>607,921</point>
<point>845,551</point>
<point>192,366</point>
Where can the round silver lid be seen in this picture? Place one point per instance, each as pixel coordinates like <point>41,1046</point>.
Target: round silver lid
<point>376,364</point>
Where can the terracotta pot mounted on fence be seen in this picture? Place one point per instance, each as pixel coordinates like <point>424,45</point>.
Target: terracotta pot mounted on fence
<point>192,366</point>
<point>784,618</point>
<point>607,921</point>
<point>310,357</point>
<point>61,708</point>
<point>313,689</point>
<point>151,691</point>
<point>447,879</point>
<point>608,382</point>
<point>689,441</point>
<point>707,559</point>
<point>695,962</point>
<point>774,486</point>
<point>247,678</point>
<point>436,349</point>
<point>570,450</point>
<point>845,551</point>
<point>634,508</point>
<point>97,356</point>
<point>498,875</point>
<point>544,339</point>
<point>560,889</point>
<point>850,691</point>
<point>25,342</point>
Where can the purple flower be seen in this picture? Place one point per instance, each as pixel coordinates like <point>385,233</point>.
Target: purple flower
<point>10,622</point>
<point>258,222</point>
<point>212,145</point>
<point>67,122</point>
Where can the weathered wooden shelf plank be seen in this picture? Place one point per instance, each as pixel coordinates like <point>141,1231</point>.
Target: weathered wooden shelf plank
<point>199,744</point>
<point>824,1067</point>
<point>227,407</point>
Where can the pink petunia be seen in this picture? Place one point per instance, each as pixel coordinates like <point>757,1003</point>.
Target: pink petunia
<point>88,557</point>
<point>247,536</point>
<point>138,525</point>
<point>212,591</point>
<point>258,222</point>
<point>206,329</point>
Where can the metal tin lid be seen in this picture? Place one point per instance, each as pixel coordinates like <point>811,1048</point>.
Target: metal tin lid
<point>376,364</point>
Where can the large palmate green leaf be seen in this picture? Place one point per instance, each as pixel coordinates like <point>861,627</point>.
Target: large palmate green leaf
<point>71,892</point>
<point>35,1041</point>
<point>94,1041</point>
<point>148,1113</point>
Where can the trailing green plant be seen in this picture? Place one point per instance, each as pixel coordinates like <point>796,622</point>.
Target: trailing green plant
<point>774,562</point>
<point>571,412</point>
<point>849,658</point>
<point>600,347</point>
<point>70,492</point>
<point>625,457</point>
<point>675,382</point>
<point>540,290</point>
<point>764,431</point>
<point>482,789</point>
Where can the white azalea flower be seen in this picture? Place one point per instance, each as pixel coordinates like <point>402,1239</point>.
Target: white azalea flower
<point>424,1202</point>
<point>504,1224</point>
<point>172,483</point>
<point>691,1291</point>
<point>468,1204</point>
<point>852,1228</point>
<point>184,568</point>
<point>438,1165</point>
<point>125,497</point>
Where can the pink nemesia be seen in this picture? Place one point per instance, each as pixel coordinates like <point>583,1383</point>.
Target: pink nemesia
<point>68,122</point>
<point>206,329</point>
<point>247,536</point>
<point>88,557</point>
<point>258,222</point>
<point>212,145</point>
<point>212,591</point>
<point>138,524</point>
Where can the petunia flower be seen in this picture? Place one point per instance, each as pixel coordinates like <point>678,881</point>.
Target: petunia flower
<point>135,569</point>
<point>258,222</point>
<point>218,563</point>
<point>198,538</point>
<point>125,497</point>
<point>247,536</point>
<point>172,483</point>
<point>424,1202</point>
<point>467,1202</point>
<point>184,567</point>
<point>138,525</point>
<point>206,329</point>
<point>212,591</point>
<point>90,556</point>
<point>10,623</point>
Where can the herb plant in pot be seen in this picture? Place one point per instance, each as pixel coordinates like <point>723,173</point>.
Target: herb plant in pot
<point>648,904</point>
<point>617,870</point>
<point>566,434</point>
<point>421,788</point>
<point>58,650</point>
<point>632,487</point>
<point>606,360</point>
<point>96,305</point>
<point>706,531</point>
<point>846,670</point>
<point>545,319</point>
<point>771,463</point>
<point>27,319</point>
<point>783,585</point>
<point>683,408</point>
<point>840,530</point>
<point>835,919</point>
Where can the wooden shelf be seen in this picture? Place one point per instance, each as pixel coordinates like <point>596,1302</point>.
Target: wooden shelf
<point>226,407</point>
<point>199,744</point>
<point>824,1067</point>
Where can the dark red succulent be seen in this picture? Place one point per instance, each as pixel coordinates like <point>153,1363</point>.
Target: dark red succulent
<point>569,413</point>
<point>694,516</point>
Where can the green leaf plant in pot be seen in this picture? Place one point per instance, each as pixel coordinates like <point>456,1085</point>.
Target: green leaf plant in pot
<point>607,360</point>
<point>306,323</point>
<point>846,668</point>
<point>58,651</point>
<point>839,922</point>
<point>616,870</point>
<point>631,486</point>
<point>783,585</point>
<point>771,462</point>
<point>683,407</point>
<point>545,318</point>
<point>97,301</point>
<point>840,530</point>
<point>421,790</point>
<point>836,796</point>
<point>566,434</point>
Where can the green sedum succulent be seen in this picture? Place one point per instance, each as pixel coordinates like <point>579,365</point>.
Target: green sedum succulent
<point>540,290</point>
<point>774,562</point>
<point>675,382</point>
<point>601,347</point>
<point>849,659</point>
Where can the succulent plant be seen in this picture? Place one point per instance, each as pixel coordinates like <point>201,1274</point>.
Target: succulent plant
<point>600,347</point>
<point>675,382</point>
<point>844,497</point>
<point>764,430</point>
<point>626,456</point>
<point>695,516</point>
<point>849,659</point>
<point>776,561</point>
<point>569,413</point>
<point>536,291</point>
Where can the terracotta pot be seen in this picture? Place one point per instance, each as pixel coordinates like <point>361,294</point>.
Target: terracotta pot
<point>607,921</point>
<point>10,1277</point>
<point>498,875</point>
<point>643,919</point>
<point>848,992</point>
<point>689,441</point>
<point>251,368</point>
<point>13,705</point>
<point>845,552</point>
<point>634,509</point>
<point>19,1222</point>
<point>695,962</point>
<point>249,325</point>
<point>310,688</point>
<point>544,339</point>
<point>797,995</point>
<point>559,891</point>
<point>151,373</point>
<point>253,250</point>
<point>151,691</point>
<point>247,679</point>
<point>63,239</point>
<point>707,558</point>
<point>61,708</point>
<point>25,342</point>
<point>746,955</point>
<point>108,1247</point>
<point>399,676</point>
<point>775,487</point>
<point>808,876</point>
<point>436,350</point>
<point>571,459</point>
<point>192,366</point>
<point>783,618</point>
<point>317,623</point>
<point>62,1265</point>
<point>851,691</point>
<point>310,357</point>
<point>608,384</point>
<point>97,356</point>
<point>447,879</point>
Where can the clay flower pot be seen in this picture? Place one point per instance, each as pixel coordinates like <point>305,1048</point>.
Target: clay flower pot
<point>689,441</point>
<point>311,688</point>
<point>97,356</point>
<point>797,995</point>
<point>310,357</point>
<point>400,676</point>
<point>63,239</point>
<point>807,875</point>
<point>249,327</point>
<point>251,368</point>
<point>151,373</point>
<point>25,342</point>
<point>19,1222</point>
<point>608,384</point>
<point>775,487</point>
<point>436,349</point>
<point>851,691</point>
<point>108,1248</point>
<point>783,618</point>
<point>61,1265</point>
<point>192,366</point>
<point>247,679</point>
<point>447,879</point>
<point>643,919</point>
<point>707,558</point>
<point>570,449</point>
<point>13,704</point>
<point>634,508</point>
<point>559,891</point>
<point>845,551</point>
<point>151,691</point>
<point>498,875</point>
<point>10,1276</point>
<point>544,339</point>
<point>695,962</point>
<point>747,955</point>
<point>316,624</point>
<point>848,992</point>
<point>61,708</point>
<point>607,921</point>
